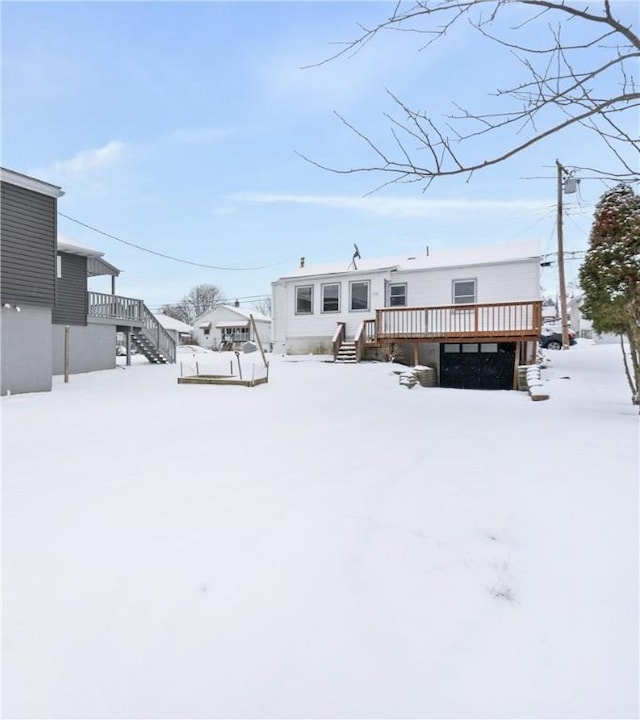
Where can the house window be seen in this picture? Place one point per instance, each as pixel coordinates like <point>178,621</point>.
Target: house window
<point>59,266</point>
<point>331,298</point>
<point>235,334</point>
<point>304,300</point>
<point>397,294</point>
<point>464,292</point>
<point>359,296</point>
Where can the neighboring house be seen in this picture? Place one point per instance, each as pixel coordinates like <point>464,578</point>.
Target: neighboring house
<point>578,322</point>
<point>549,313</point>
<point>49,317</point>
<point>28,226</point>
<point>227,327</point>
<point>474,314</point>
<point>179,331</point>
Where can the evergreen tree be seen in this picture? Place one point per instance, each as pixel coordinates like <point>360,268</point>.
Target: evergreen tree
<point>610,275</point>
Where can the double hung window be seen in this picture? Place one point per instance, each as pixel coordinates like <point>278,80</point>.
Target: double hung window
<point>464,292</point>
<point>359,295</point>
<point>304,300</point>
<point>331,298</point>
<point>397,294</point>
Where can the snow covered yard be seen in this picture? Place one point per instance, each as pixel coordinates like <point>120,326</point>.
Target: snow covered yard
<point>328,545</point>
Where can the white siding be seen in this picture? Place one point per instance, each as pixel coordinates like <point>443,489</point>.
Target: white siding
<point>508,282</point>
<point>500,282</point>
<point>318,328</point>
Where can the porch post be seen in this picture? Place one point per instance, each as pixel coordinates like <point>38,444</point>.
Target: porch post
<point>416,345</point>
<point>127,340</point>
<point>66,353</point>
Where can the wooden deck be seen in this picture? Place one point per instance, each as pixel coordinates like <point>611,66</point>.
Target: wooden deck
<point>495,321</point>
<point>485,322</point>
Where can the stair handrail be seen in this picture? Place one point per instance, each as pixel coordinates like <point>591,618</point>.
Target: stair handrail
<point>359,341</point>
<point>338,338</point>
<point>156,334</point>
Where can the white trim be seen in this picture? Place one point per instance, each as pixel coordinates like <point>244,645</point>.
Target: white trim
<point>30,183</point>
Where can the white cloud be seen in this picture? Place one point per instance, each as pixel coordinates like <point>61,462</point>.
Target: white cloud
<point>89,161</point>
<point>399,207</point>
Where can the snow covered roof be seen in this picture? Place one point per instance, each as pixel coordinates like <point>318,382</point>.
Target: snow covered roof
<point>232,323</point>
<point>96,264</point>
<point>72,249</point>
<point>242,313</point>
<point>169,323</point>
<point>258,317</point>
<point>437,258</point>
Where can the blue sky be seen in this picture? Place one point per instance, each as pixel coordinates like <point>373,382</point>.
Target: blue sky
<point>175,126</point>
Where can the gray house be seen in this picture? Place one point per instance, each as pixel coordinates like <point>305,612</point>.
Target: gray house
<point>49,316</point>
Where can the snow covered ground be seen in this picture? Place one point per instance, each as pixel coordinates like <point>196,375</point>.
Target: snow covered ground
<point>328,545</point>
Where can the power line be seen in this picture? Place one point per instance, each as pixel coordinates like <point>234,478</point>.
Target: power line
<point>162,255</point>
<point>223,301</point>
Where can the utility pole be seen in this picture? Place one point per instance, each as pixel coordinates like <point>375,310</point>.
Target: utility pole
<point>561,277</point>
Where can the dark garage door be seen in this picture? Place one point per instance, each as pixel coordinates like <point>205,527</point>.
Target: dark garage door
<point>477,366</point>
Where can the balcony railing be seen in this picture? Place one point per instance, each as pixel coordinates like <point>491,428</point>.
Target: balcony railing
<point>494,320</point>
<point>114,307</point>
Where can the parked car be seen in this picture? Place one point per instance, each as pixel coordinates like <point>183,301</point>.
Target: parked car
<point>551,339</point>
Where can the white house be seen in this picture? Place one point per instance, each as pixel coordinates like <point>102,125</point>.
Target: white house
<point>179,331</point>
<point>486,296</point>
<point>229,326</point>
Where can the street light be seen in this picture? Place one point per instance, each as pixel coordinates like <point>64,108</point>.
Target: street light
<point>569,184</point>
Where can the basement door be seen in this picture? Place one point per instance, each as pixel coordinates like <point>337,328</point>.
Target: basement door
<point>477,366</point>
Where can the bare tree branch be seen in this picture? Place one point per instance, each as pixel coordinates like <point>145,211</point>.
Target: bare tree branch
<point>587,83</point>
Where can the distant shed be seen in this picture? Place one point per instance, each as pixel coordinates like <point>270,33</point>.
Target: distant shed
<point>179,331</point>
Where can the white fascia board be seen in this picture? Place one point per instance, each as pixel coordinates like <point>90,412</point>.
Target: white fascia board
<point>30,183</point>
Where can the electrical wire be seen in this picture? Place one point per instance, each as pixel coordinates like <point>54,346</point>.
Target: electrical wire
<point>162,255</point>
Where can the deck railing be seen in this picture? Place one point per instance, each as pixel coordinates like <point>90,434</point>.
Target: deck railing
<point>338,338</point>
<point>114,307</point>
<point>517,319</point>
<point>156,334</point>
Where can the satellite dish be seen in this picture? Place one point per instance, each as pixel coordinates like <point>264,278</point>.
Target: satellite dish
<point>356,254</point>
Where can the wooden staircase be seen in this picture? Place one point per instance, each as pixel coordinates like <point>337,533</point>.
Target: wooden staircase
<point>132,315</point>
<point>347,353</point>
<point>149,348</point>
<point>153,341</point>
